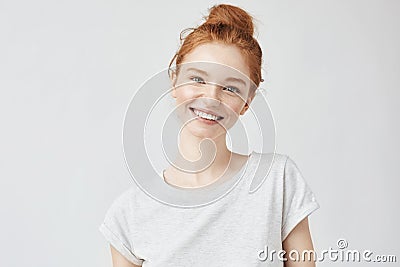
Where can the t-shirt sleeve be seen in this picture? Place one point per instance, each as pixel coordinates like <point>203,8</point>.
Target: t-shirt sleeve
<point>298,199</point>
<point>115,228</point>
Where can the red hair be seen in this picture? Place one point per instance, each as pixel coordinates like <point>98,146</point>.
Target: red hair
<point>230,25</point>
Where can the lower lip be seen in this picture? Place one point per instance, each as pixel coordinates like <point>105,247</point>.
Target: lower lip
<point>209,122</point>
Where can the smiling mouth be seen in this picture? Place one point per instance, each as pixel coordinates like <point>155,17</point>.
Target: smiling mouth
<point>205,115</point>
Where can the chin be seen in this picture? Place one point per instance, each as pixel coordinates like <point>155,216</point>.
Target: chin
<point>203,133</point>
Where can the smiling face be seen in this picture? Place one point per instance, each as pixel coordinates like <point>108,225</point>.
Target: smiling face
<point>211,88</point>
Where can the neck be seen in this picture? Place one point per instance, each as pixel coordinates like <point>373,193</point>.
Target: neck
<point>209,159</point>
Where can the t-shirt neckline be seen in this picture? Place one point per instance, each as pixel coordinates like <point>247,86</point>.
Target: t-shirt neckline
<point>242,172</point>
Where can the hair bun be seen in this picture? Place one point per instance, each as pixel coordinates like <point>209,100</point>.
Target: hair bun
<point>232,16</point>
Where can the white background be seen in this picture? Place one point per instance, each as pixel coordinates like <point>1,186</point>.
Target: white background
<point>68,70</point>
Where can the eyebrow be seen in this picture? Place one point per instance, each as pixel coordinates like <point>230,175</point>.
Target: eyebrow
<point>232,79</point>
<point>229,79</point>
<point>198,70</point>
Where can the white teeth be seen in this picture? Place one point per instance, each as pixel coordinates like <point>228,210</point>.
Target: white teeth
<point>205,115</point>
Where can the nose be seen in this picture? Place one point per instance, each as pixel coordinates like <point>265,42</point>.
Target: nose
<point>211,93</point>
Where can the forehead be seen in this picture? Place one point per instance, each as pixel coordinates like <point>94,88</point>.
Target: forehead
<point>224,54</point>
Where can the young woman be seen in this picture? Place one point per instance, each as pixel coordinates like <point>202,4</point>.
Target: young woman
<point>242,228</point>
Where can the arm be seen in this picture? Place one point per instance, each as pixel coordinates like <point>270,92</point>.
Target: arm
<point>299,239</point>
<point>120,261</point>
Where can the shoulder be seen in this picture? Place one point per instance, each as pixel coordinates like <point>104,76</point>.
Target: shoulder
<point>279,169</point>
<point>275,162</point>
<point>123,202</point>
<point>267,166</point>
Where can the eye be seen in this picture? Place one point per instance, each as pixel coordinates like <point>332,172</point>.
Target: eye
<point>197,79</point>
<point>232,89</point>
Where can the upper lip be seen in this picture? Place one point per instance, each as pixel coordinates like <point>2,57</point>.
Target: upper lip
<point>206,111</point>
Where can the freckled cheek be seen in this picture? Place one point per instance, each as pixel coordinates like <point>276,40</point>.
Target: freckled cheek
<point>185,93</point>
<point>235,106</point>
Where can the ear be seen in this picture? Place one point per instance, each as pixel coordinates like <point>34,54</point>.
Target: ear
<point>247,104</point>
<point>173,82</point>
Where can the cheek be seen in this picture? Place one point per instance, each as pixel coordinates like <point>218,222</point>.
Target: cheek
<point>235,105</point>
<point>184,93</point>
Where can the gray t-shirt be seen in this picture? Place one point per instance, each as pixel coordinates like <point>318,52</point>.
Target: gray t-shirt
<point>240,229</point>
